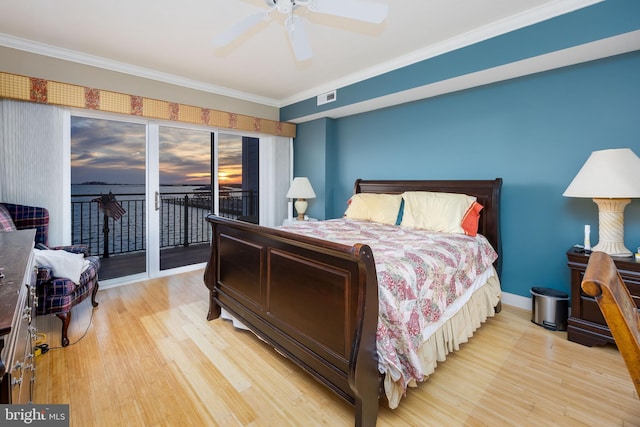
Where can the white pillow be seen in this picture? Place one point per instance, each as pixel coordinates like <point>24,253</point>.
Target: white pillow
<point>433,211</point>
<point>382,208</point>
<point>62,263</point>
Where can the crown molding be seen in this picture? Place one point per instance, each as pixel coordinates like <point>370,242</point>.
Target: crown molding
<point>121,67</point>
<point>512,23</point>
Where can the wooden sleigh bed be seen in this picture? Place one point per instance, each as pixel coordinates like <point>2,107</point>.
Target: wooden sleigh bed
<point>316,301</point>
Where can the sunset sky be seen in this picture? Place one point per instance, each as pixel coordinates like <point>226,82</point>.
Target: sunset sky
<point>114,152</point>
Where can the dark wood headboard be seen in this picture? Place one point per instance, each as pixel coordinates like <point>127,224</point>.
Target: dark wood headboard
<point>487,193</point>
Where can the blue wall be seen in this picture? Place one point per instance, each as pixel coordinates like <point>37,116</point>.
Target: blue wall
<point>535,132</point>
<point>310,158</point>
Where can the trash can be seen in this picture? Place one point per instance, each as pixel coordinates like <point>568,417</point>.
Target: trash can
<point>550,308</point>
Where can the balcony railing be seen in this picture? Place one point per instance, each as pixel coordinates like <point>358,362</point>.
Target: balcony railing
<point>182,219</point>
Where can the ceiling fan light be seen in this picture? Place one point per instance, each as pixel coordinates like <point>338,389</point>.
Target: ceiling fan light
<point>353,9</point>
<point>285,6</point>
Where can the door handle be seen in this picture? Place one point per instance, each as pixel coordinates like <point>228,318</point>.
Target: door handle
<point>157,201</point>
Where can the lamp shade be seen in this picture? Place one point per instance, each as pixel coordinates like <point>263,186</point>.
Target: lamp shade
<point>301,189</point>
<point>608,174</point>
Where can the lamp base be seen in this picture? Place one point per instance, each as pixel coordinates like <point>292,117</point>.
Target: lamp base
<point>612,249</point>
<point>301,208</point>
<point>611,224</point>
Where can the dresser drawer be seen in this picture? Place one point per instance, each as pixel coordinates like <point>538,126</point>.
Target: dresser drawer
<point>17,363</point>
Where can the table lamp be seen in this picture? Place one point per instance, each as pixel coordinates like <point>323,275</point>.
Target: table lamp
<point>611,178</point>
<point>301,190</point>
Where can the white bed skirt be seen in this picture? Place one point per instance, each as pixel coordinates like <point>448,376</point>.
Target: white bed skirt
<point>457,326</point>
<point>224,314</point>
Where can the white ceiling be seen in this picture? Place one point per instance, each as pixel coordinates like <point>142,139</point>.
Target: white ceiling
<point>171,40</point>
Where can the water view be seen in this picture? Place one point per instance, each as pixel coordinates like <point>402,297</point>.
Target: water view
<point>109,211</point>
<point>182,212</point>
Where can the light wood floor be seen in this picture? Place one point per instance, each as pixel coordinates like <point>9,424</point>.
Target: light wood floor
<point>150,358</point>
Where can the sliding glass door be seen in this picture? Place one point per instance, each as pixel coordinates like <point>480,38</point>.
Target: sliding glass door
<point>184,196</point>
<point>141,191</point>
<point>238,177</point>
<point>108,192</point>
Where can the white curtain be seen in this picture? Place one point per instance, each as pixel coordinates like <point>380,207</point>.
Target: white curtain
<point>275,177</point>
<point>33,164</point>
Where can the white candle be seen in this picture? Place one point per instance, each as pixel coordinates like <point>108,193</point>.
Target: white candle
<point>587,237</point>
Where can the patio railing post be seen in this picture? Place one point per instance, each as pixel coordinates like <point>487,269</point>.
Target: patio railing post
<point>105,232</point>
<point>186,220</point>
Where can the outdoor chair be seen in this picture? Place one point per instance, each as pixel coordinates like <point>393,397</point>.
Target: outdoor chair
<point>55,295</point>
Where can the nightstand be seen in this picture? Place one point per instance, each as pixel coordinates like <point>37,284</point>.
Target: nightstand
<point>586,325</point>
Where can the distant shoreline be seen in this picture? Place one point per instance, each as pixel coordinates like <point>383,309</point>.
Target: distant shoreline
<point>162,185</point>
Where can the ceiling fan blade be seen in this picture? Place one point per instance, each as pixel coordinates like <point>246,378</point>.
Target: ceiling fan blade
<point>239,28</point>
<point>298,38</point>
<point>353,9</point>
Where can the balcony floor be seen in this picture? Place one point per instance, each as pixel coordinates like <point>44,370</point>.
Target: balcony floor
<point>134,263</point>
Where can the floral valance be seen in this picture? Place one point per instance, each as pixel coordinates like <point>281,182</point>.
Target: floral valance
<point>33,89</point>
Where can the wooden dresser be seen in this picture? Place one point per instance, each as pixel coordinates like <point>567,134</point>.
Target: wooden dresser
<point>17,335</point>
<point>586,325</point>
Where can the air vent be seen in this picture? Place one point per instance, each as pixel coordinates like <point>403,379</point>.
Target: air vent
<point>326,98</point>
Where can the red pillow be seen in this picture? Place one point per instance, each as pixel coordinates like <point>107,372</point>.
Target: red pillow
<point>470,219</point>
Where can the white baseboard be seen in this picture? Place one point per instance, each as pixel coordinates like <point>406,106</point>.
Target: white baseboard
<point>516,300</point>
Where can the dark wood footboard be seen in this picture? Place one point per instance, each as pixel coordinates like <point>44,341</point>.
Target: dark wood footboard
<point>315,301</point>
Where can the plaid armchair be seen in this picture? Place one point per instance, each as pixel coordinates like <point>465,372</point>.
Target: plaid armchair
<point>56,295</point>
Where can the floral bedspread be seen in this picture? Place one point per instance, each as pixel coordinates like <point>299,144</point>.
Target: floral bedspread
<point>420,274</point>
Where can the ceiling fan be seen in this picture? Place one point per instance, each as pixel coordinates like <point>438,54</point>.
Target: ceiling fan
<point>295,25</point>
